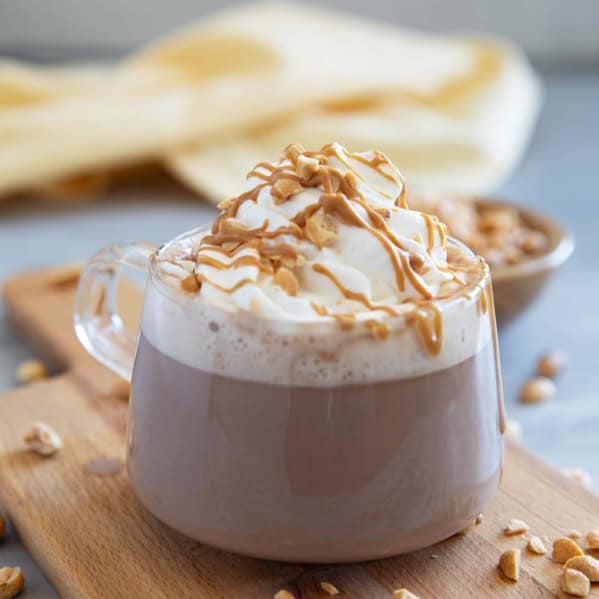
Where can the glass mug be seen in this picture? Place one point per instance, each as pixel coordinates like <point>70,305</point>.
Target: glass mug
<point>299,442</point>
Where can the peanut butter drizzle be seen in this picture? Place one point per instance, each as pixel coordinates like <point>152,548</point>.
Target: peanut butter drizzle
<point>429,324</point>
<point>319,309</point>
<point>488,290</point>
<point>204,279</point>
<point>346,321</point>
<point>232,232</point>
<point>279,251</point>
<point>430,240</point>
<point>301,217</point>
<point>259,175</point>
<point>190,284</point>
<point>401,253</point>
<point>339,204</point>
<point>379,158</point>
<point>415,279</point>
<point>404,263</point>
<point>329,151</point>
<point>267,166</point>
<point>232,251</point>
<point>400,201</point>
<point>442,233</point>
<point>378,220</point>
<point>271,250</point>
<point>291,229</point>
<point>232,209</point>
<point>348,293</point>
<point>238,262</point>
<point>482,301</point>
<point>373,163</point>
<point>281,173</point>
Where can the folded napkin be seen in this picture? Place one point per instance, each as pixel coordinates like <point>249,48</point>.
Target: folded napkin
<point>212,100</point>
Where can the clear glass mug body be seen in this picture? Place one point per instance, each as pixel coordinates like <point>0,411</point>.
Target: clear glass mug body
<point>283,442</point>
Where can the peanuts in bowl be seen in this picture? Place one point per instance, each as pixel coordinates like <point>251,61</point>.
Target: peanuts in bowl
<point>522,247</point>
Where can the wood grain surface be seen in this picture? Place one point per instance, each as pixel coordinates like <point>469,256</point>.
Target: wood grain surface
<point>94,540</point>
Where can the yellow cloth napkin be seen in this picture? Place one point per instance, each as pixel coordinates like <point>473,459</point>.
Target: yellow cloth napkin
<point>211,100</point>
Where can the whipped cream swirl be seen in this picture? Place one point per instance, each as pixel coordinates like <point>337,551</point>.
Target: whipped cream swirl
<point>323,234</point>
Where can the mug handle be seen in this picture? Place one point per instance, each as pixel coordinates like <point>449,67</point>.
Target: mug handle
<point>98,324</point>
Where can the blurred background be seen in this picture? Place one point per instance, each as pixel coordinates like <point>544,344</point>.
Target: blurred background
<point>528,134</point>
<point>551,31</point>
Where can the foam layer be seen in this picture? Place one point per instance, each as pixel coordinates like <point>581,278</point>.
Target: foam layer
<point>308,353</point>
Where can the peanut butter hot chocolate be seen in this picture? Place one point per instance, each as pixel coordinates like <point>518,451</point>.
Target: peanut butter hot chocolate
<point>316,374</point>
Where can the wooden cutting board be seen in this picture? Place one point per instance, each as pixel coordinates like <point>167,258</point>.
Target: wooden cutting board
<point>94,540</point>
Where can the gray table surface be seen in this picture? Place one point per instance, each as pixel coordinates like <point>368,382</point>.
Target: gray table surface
<point>560,175</point>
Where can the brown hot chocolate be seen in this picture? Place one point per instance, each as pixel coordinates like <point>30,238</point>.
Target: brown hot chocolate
<point>314,474</point>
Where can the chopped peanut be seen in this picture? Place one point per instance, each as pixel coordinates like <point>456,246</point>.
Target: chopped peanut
<point>121,388</point>
<point>307,167</point>
<point>533,242</point>
<point>42,439</point>
<point>564,548</point>
<point>283,189</point>
<point>321,230</point>
<point>499,218</point>
<point>586,564</point>
<point>284,594</point>
<point>11,582</point>
<point>551,364</point>
<point>509,564</point>
<point>593,538</point>
<point>224,205</point>
<point>535,545</point>
<point>31,371</point>
<point>476,522</point>
<point>287,280</point>
<point>516,527</point>
<point>379,330</point>
<point>575,583</point>
<point>497,232</point>
<point>404,594</point>
<point>329,588</point>
<point>537,390</point>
